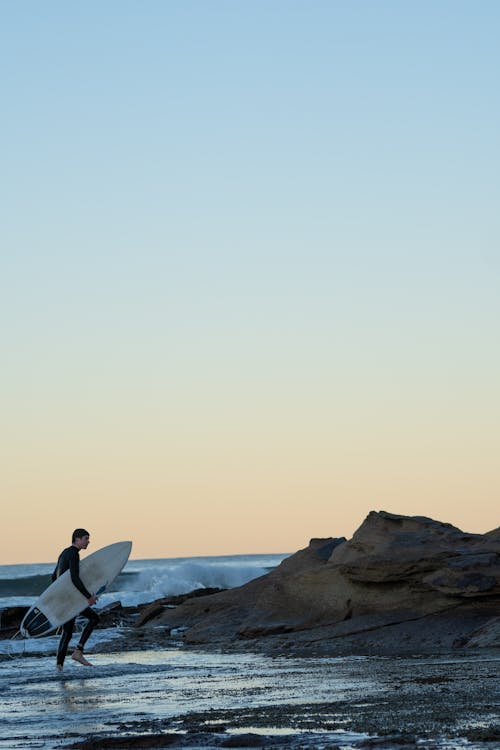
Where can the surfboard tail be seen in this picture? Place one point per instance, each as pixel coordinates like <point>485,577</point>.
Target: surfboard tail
<point>35,624</point>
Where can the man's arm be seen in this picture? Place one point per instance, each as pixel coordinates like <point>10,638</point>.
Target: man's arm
<point>74,571</point>
<point>55,574</point>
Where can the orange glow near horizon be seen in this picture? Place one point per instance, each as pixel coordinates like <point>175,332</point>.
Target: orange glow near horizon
<point>236,499</point>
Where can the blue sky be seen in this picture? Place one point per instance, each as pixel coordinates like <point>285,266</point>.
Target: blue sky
<point>256,237</point>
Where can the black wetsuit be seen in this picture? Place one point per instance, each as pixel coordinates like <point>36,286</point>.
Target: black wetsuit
<point>69,559</point>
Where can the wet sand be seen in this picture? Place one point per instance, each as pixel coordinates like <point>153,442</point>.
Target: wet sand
<point>178,697</point>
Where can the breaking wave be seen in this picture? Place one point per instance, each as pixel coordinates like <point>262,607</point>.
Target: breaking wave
<point>145,580</point>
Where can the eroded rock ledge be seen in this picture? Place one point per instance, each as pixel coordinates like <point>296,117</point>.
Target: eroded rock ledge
<point>401,584</point>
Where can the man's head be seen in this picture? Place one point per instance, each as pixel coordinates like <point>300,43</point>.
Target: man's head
<point>80,538</point>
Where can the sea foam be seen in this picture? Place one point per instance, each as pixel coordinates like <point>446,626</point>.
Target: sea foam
<point>159,579</point>
<point>144,580</point>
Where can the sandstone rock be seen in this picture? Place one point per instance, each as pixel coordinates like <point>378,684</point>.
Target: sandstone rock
<point>487,636</point>
<point>395,570</point>
<point>148,612</point>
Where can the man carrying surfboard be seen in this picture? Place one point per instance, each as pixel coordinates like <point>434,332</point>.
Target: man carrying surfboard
<point>69,559</point>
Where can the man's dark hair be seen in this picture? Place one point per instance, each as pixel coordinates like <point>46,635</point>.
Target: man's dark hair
<point>78,533</point>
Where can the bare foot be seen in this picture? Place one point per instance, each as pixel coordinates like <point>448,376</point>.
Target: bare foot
<point>59,667</point>
<point>78,656</point>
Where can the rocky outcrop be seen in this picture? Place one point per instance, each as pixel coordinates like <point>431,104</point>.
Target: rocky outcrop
<point>404,582</point>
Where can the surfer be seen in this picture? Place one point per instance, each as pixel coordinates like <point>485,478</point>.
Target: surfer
<point>69,559</point>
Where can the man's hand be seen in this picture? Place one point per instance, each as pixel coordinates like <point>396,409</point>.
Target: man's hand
<point>92,600</point>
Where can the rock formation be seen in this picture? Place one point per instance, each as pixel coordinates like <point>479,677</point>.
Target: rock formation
<point>400,584</point>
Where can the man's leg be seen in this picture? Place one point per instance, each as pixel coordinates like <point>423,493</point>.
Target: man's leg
<point>93,619</point>
<point>64,643</point>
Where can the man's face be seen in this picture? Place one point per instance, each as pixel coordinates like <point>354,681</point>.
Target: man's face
<point>82,542</point>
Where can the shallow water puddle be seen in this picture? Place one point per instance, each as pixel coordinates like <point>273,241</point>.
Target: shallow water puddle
<point>316,701</point>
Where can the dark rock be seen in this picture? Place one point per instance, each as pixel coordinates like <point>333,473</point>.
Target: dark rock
<point>10,619</point>
<point>323,548</point>
<point>483,734</point>
<point>149,611</point>
<point>486,636</point>
<point>245,740</point>
<point>195,594</point>
<point>147,614</point>
<point>124,743</point>
<point>113,615</point>
<point>264,631</point>
<point>391,742</point>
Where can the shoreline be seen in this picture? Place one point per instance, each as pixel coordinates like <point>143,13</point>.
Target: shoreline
<point>258,693</point>
<point>189,697</point>
<point>124,629</point>
<point>412,702</point>
<point>438,699</point>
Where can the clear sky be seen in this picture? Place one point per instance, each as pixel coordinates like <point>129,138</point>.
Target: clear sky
<point>250,270</point>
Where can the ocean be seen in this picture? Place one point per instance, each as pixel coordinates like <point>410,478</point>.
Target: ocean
<point>143,581</point>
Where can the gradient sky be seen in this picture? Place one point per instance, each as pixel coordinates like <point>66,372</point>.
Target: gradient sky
<point>249,272</point>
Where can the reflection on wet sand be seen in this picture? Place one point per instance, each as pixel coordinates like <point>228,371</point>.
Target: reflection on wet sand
<point>206,698</point>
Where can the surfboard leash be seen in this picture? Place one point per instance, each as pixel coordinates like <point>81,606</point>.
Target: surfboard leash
<point>16,637</point>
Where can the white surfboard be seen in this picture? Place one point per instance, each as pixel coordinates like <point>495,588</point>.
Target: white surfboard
<point>61,600</point>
